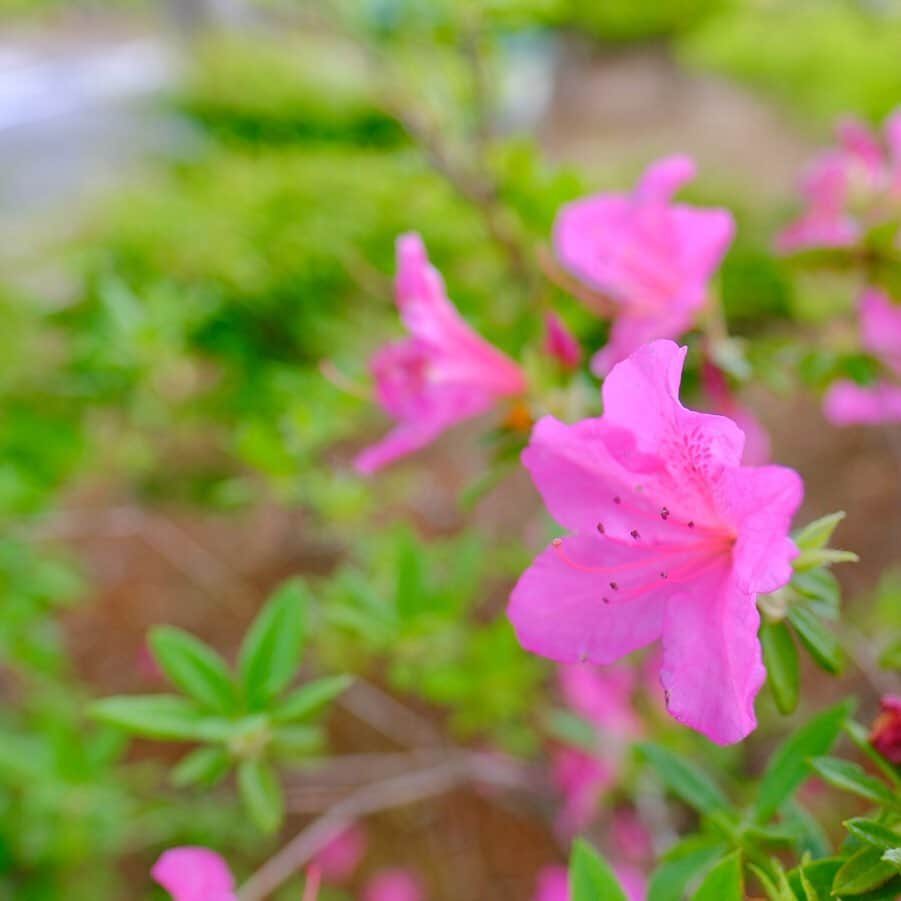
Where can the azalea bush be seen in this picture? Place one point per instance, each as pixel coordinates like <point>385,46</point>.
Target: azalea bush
<point>392,513</point>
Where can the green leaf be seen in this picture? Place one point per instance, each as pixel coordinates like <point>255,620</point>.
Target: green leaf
<point>270,652</point>
<point>788,766</point>
<point>309,699</point>
<point>893,856</point>
<point>261,793</point>
<point>818,533</point>
<point>590,878</point>
<point>819,641</point>
<point>684,779</point>
<point>681,865</point>
<point>193,667</point>
<point>780,657</point>
<point>823,557</point>
<point>873,833</point>
<point>203,766</point>
<point>861,738</point>
<point>292,742</point>
<point>724,882</point>
<point>818,875</point>
<point>851,777</point>
<point>821,590</point>
<point>862,871</point>
<point>160,716</point>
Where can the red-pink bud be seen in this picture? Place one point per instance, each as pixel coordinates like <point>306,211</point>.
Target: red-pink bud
<point>885,736</point>
<point>560,342</point>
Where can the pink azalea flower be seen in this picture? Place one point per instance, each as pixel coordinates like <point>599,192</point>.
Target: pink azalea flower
<point>845,188</point>
<point>553,884</point>
<point>341,855</point>
<point>560,343</point>
<point>757,440</point>
<point>393,885</point>
<point>672,538</point>
<point>846,402</point>
<point>649,256</point>
<point>442,374</point>
<point>194,874</point>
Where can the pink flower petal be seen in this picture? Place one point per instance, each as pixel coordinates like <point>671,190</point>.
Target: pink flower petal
<point>194,874</point>
<point>339,858</point>
<point>662,179</point>
<point>553,884</point>
<point>560,343</point>
<point>632,881</point>
<point>880,326</point>
<point>582,778</point>
<point>673,538</point>
<point>712,665</point>
<point>847,403</point>
<point>393,885</point>
<point>444,373</point>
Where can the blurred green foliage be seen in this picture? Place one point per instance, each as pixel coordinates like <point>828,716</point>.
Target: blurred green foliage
<point>822,57</point>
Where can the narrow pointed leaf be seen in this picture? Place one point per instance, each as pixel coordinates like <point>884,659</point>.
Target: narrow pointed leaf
<point>788,766</point>
<point>261,793</point>
<point>309,699</point>
<point>684,779</point>
<point>203,766</point>
<point>873,833</point>
<point>590,877</point>
<point>852,778</point>
<point>822,645</point>
<point>193,667</point>
<point>270,652</point>
<point>160,716</point>
<point>862,872</point>
<point>780,657</point>
<point>681,866</point>
<point>724,882</point>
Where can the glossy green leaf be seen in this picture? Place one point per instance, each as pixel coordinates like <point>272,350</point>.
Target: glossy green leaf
<point>270,652</point>
<point>893,856</point>
<point>684,779</point>
<point>261,793</point>
<point>193,667</point>
<point>821,590</point>
<point>780,657</point>
<point>822,645</point>
<point>788,766</point>
<point>160,716</point>
<point>851,777</point>
<point>309,699</point>
<point>873,833</point>
<point>818,875</point>
<point>862,872</point>
<point>590,877</point>
<point>724,882</point>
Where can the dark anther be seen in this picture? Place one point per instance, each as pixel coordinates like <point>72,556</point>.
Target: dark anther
<point>600,527</point>
<point>691,524</point>
<point>617,500</point>
<point>662,575</point>
<point>614,586</point>
<point>606,600</point>
<point>634,534</point>
<point>664,513</point>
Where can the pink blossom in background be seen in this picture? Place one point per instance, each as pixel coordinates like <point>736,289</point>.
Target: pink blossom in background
<point>339,858</point>
<point>757,440</point>
<point>560,343</point>
<point>846,402</point>
<point>582,778</point>
<point>633,882</point>
<point>671,538</point>
<point>194,874</point>
<point>602,696</point>
<point>442,374</point>
<point>650,257</point>
<point>848,188</point>
<point>630,837</point>
<point>553,884</point>
<point>393,885</point>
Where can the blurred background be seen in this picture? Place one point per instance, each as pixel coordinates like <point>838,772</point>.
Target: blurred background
<point>198,205</point>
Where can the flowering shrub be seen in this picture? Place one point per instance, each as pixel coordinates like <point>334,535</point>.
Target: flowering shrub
<point>641,670</point>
